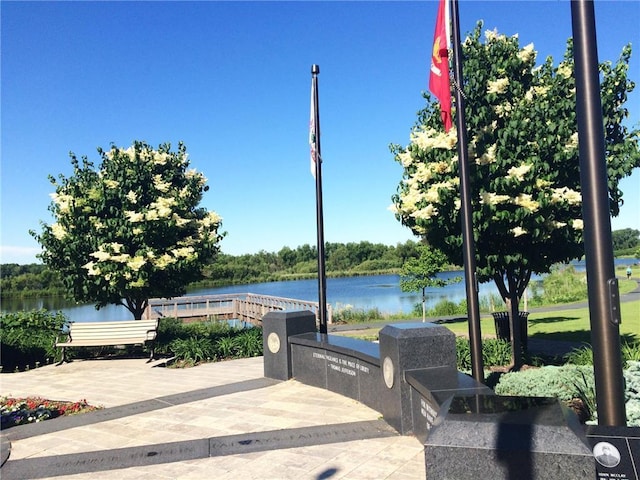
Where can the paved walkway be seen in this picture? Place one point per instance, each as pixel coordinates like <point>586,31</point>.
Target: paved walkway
<point>218,420</point>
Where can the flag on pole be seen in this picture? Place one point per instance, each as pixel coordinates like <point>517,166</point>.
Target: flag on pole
<point>313,130</point>
<point>439,75</point>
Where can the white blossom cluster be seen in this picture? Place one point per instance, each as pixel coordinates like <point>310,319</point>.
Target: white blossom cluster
<point>164,205</point>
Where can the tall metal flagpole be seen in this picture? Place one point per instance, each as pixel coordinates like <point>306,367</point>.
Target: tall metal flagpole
<point>468,242</point>
<point>604,299</point>
<point>317,159</point>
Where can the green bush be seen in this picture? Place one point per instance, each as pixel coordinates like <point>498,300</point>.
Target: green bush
<point>571,382</point>
<point>443,308</point>
<point>27,338</point>
<point>249,343</point>
<point>564,383</point>
<point>580,356</point>
<point>494,353</point>
<point>347,314</point>
<point>192,343</point>
<point>193,350</point>
<point>584,355</point>
<point>225,347</point>
<point>169,329</point>
<point>564,285</point>
<point>632,393</point>
<point>630,352</point>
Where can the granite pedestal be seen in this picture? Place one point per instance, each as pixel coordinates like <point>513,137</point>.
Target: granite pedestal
<point>410,346</point>
<point>277,327</point>
<point>507,438</point>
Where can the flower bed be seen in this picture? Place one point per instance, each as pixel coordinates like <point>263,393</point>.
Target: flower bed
<point>20,411</point>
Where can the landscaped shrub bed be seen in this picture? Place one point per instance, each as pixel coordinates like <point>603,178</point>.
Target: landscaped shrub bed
<point>494,353</point>
<point>27,338</point>
<point>194,343</point>
<point>574,385</point>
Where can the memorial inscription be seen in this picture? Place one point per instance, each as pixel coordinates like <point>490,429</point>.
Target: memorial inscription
<point>616,450</point>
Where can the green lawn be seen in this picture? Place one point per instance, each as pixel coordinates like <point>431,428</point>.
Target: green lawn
<point>569,325</point>
<point>572,325</point>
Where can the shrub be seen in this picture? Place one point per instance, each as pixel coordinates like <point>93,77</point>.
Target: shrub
<point>571,382</point>
<point>580,356</point>
<point>494,353</point>
<point>584,355</point>
<point>444,308</point>
<point>197,342</point>
<point>630,352</point>
<point>563,382</point>
<point>27,338</point>
<point>225,347</point>
<point>632,393</point>
<point>193,350</point>
<point>169,329</point>
<point>248,343</point>
<point>347,314</point>
<point>564,285</point>
<point>463,354</point>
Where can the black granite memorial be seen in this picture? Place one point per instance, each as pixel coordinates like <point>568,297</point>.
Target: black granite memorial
<point>616,450</point>
<point>348,366</point>
<point>431,388</point>
<point>410,346</point>
<point>277,327</point>
<point>412,379</point>
<point>507,438</point>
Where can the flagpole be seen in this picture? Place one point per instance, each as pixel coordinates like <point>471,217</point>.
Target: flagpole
<point>468,242</point>
<point>604,297</point>
<point>317,159</point>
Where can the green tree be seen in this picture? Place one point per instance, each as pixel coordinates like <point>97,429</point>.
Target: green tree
<point>625,238</point>
<point>524,171</point>
<point>131,229</point>
<point>419,273</point>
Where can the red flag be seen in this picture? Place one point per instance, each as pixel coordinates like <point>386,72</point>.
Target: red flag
<point>439,75</point>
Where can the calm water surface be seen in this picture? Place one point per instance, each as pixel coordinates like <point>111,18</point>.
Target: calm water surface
<point>363,293</point>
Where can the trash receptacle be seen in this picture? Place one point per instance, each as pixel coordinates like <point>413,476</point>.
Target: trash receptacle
<point>503,329</point>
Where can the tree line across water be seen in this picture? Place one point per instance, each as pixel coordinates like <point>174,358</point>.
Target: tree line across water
<point>342,259</point>
<point>362,258</point>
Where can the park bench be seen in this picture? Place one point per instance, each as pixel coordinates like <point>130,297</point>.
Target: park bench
<point>102,334</point>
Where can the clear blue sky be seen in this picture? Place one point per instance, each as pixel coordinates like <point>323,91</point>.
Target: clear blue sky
<point>232,80</point>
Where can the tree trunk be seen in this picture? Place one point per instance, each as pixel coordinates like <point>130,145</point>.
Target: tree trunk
<point>514,323</point>
<point>136,306</point>
<point>517,281</point>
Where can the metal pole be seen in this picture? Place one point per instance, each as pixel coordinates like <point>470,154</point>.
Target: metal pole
<point>322,280</point>
<point>468,242</point>
<point>604,299</point>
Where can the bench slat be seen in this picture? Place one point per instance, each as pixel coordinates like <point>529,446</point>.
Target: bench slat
<point>96,334</point>
<point>100,342</point>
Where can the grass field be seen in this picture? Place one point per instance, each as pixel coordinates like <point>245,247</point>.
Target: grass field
<point>569,325</point>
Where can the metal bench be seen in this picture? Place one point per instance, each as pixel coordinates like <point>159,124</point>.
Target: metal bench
<point>101,334</point>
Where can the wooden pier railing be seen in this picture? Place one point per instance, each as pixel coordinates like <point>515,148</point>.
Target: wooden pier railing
<point>246,307</point>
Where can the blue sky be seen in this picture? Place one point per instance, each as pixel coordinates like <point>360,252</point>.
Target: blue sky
<point>232,81</point>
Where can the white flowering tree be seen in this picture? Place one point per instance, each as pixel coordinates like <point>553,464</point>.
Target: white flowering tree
<point>523,149</point>
<point>130,230</point>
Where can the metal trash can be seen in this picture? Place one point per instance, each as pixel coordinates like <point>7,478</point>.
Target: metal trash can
<point>503,329</point>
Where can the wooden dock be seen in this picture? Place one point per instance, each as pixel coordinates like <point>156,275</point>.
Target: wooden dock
<point>244,307</point>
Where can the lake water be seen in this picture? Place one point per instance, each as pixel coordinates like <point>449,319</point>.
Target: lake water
<point>362,293</point>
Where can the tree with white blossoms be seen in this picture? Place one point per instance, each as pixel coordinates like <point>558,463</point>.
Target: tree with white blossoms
<point>524,167</point>
<point>130,230</point>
